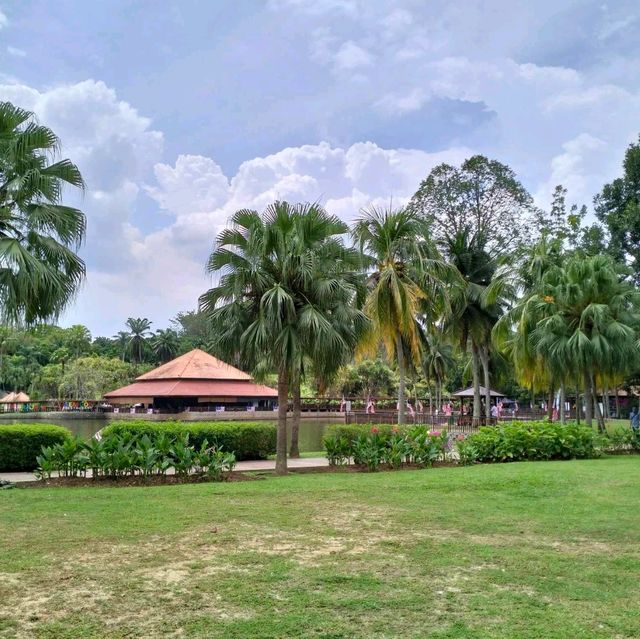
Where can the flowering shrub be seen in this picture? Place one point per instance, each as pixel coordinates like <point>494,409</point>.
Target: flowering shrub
<point>467,452</point>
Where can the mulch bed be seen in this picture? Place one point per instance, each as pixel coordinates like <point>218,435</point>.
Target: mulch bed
<point>237,475</point>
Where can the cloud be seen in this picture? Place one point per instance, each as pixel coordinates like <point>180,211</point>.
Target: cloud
<point>352,56</point>
<point>4,21</point>
<point>18,53</point>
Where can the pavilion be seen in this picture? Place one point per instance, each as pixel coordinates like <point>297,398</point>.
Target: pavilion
<point>198,381</point>
<point>467,393</point>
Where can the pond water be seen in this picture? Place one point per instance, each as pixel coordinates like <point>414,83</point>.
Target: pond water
<point>311,430</point>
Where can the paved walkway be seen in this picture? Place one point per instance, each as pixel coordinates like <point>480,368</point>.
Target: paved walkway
<point>263,464</point>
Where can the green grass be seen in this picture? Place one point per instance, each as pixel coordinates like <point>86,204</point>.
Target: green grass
<point>530,550</point>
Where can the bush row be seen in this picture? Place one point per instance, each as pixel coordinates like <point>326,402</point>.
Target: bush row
<point>372,446</point>
<point>540,440</point>
<point>20,444</point>
<point>247,440</point>
<point>124,454</point>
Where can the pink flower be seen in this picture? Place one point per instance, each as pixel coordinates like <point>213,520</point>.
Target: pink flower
<point>375,429</point>
<point>435,433</point>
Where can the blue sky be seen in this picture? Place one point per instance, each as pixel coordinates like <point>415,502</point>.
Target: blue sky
<point>179,113</point>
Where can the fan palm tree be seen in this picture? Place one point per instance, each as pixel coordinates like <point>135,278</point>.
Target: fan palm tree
<point>406,280</point>
<point>591,315</point>
<point>39,269</point>
<point>165,344</point>
<point>286,292</point>
<point>139,330</point>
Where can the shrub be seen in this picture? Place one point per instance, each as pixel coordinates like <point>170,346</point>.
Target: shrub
<point>338,450</point>
<point>124,454</point>
<point>467,453</point>
<point>20,444</point>
<point>517,441</point>
<point>247,440</point>
<point>372,445</point>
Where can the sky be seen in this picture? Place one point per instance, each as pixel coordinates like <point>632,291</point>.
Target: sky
<point>180,113</point>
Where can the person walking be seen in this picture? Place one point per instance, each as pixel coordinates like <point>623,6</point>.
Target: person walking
<point>634,418</point>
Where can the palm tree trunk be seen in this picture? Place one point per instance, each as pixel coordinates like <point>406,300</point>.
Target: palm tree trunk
<point>294,450</point>
<point>617,404</point>
<point>484,357</point>
<point>605,401</point>
<point>550,403</point>
<point>588,400</point>
<point>596,407</point>
<point>563,418</point>
<point>475,371</point>
<point>401,382</point>
<point>283,401</point>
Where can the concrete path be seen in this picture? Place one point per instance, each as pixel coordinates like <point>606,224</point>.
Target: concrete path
<point>263,464</point>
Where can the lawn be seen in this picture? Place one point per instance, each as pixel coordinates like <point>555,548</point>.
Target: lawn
<point>535,550</point>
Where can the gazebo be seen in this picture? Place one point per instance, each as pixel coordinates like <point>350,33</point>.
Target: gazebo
<point>195,380</point>
<point>467,393</point>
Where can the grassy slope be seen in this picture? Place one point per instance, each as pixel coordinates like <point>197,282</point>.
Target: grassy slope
<point>524,550</point>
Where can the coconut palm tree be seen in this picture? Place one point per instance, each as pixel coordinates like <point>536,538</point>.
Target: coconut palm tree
<point>39,269</point>
<point>165,344</point>
<point>139,330</point>
<point>437,361</point>
<point>476,304</point>
<point>406,280</point>
<point>286,291</point>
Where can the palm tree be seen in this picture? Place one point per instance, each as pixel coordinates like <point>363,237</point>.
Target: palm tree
<point>476,305</point>
<point>437,361</point>
<point>122,342</point>
<point>285,293</point>
<point>78,339</point>
<point>590,317</point>
<point>165,344</point>
<point>139,330</point>
<point>406,279</point>
<point>39,270</point>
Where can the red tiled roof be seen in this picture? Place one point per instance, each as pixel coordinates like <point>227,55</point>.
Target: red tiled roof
<point>193,388</point>
<point>195,364</point>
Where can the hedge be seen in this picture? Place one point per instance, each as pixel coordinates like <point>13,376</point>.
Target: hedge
<point>519,441</point>
<point>247,440</point>
<point>352,431</point>
<point>20,444</point>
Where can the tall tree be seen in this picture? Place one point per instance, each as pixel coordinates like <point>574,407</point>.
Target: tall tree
<point>40,271</point>
<point>482,198</point>
<point>618,208</point>
<point>406,279</point>
<point>286,291</point>
<point>139,330</point>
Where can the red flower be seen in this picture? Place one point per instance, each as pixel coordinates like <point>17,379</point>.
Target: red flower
<point>395,429</point>
<point>375,429</point>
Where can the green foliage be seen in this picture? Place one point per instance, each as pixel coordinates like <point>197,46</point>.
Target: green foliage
<point>467,452</point>
<point>40,271</point>
<point>394,446</point>
<point>92,377</point>
<point>20,444</point>
<point>247,440</point>
<point>541,440</point>
<point>125,454</point>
